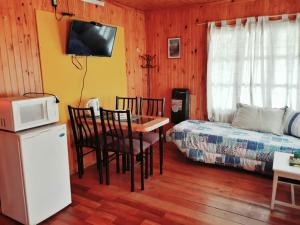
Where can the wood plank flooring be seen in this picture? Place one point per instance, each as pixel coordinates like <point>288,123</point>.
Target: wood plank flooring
<point>187,193</point>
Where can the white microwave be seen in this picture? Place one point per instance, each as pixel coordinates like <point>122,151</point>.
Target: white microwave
<point>21,113</point>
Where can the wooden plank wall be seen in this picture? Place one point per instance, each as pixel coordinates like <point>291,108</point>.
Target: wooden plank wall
<point>20,69</point>
<point>190,70</point>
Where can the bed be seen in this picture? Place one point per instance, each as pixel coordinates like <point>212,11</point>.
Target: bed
<point>222,144</point>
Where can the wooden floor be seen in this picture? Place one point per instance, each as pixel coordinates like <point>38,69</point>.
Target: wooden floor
<point>187,193</point>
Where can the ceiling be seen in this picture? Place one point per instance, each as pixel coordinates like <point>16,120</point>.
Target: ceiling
<point>159,4</point>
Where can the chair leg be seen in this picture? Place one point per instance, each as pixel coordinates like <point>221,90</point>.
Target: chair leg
<point>100,173</point>
<point>81,161</point>
<point>124,163</point>
<point>97,158</point>
<point>151,160</point>
<point>142,161</point>
<point>118,162</point>
<point>78,162</point>
<point>99,165</point>
<point>132,171</point>
<point>107,168</point>
<point>146,164</point>
<point>128,162</point>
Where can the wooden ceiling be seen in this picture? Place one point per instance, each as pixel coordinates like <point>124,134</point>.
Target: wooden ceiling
<point>160,4</point>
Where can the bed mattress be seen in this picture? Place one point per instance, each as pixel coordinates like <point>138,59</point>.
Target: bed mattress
<point>222,144</point>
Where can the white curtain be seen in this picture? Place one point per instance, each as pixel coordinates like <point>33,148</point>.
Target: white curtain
<point>255,63</point>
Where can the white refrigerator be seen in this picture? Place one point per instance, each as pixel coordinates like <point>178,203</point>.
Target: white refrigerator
<point>34,173</point>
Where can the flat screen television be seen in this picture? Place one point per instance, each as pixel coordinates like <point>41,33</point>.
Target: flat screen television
<point>91,39</point>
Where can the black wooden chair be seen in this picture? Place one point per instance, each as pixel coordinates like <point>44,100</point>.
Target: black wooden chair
<point>117,137</point>
<point>151,107</point>
<point>124,103</point>
<point>130,103</point>
<point>86,137</point>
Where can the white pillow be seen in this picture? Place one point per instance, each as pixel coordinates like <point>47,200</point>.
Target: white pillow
<point>292,123</point>
<point>259,119</point>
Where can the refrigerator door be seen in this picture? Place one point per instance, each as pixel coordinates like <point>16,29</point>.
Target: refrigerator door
<point>45,165</point>
<point>13,202</point>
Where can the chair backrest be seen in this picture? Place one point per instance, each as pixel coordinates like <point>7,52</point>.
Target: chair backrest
<point>84,127</point>
<point>116,129</point>
<point>124,103</point>
<point>152,106</point>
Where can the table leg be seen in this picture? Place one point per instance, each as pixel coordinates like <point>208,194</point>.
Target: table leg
<point>142,161</point>
<point>275,182</point>
<point>151,160</point>
<point>146,163</point>
<point>132,171</point>
<point>161,150</point>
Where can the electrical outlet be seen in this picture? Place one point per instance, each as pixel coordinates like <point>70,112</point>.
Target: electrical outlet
<point>54,3</point>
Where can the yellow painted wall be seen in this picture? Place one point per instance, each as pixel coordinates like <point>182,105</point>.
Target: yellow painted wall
<point>106,77</point>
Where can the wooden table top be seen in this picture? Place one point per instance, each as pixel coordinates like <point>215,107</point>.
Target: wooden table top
<point>281,164</point>
<point>148,123</point>
<point>142,123</point>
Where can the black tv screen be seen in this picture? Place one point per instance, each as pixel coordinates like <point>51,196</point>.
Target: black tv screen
<point>91,39</point>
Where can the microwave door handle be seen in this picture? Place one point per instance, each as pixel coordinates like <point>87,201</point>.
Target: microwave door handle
<point>52,110</point>
<point>48,110</point>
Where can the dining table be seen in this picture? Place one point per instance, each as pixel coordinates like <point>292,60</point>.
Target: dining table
<point>143,124</point>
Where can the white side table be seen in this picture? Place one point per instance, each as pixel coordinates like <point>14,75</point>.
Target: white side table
<point>282,168</point>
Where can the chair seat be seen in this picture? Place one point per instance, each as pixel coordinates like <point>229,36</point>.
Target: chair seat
<point>90,144</point>
<point>136,146</point>
<point>149,137</point>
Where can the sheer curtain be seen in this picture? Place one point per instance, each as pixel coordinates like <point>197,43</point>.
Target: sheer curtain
<point>255,63</point>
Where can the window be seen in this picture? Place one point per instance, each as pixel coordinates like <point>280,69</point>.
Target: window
<point>254,63</point>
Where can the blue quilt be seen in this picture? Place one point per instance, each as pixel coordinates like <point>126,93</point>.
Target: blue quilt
<point>220,143</point>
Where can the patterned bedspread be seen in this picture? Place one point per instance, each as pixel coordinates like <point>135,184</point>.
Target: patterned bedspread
<point>220,143</point>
